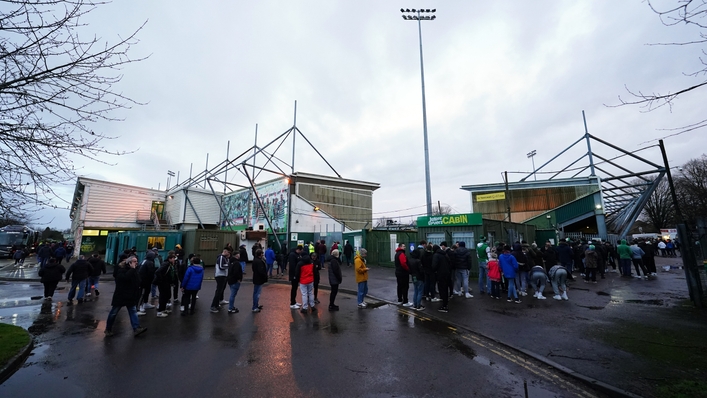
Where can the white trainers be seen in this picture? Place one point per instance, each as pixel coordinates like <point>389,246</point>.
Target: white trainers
<point>362,305</point>
<point>557,297</point>
<point>141,313</point>
<point>456,293</point>
<point>223,302</point>
<point>436,300</point>
<point>468,296</point>
<point>541,297</point>
<point>295,306</point>
<point>522,293</point>
<point>162,315</point>
<point>408,304</point>
<point>564,296</point>
<point>149,306</point>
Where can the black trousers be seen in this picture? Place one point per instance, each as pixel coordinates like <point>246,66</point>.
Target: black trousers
<point>49,288</point>
<point>218,294</point>
<point>403,286</point>
<point>293,292</point>
<point>591,274</point>
<point>639,263</point>
<point>189,298</point>
<point>332,295</point>
<point>495,289</point>
<point>144,295</point>
<point>165,295</point>
<point>443,286</point>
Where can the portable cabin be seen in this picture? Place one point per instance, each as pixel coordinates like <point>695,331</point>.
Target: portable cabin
<point>142,241</point>
<point>380,243</point>
<point>209,243</point>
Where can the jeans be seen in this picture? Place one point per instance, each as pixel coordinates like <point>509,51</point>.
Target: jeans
<point>256,295</point>
<point>269,269</point>
<point>462,281</point>
<point>307,290</point>
<point>243,266</point>
<point>495,289</point>
<point>234,291</point>
<point>430,283</point>
<point>537,282</point>
<point>558,282</point>
<point>81,284</point>
<point>522,281</point>
<point>625,264</point>
<point>218,294</point>
<point>403,279</point>
<point>362,291</point>
<point>417,293</point>
<point>153,290</point>
<point>512,289</point>
<point>484,281</point>
<point>92,281</point>
<point>132,312</point>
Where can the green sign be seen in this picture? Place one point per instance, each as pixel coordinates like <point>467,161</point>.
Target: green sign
<point>450,220</point>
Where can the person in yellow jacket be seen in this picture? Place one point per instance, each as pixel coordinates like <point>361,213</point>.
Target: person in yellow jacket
<point>361,277</point>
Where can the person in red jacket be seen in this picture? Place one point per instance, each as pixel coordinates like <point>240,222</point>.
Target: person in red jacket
<point>402,275</point>
<point>494,275</point>
<point>305,277</point>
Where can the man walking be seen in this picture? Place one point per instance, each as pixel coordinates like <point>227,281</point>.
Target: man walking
<point>78,272</point>
<point>482,253</point>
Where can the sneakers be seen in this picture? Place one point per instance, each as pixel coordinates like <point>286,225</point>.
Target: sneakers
<point>223,302</point>
<point>522,293</point>
<point>420,308</point>
<point>256,310</point>
<point>564,296</point>
<point>295,306</point>
<point>316,301</point>
<point>517,301</point>
<point>108,333</point>
<point>88,294</point>
<point>469,296</point>
<point>457,293</point>
<point>138,331</point>
<point>96,292</point>
<point>149,306</point>
<point>303,310</point>
<point>436,299</point>
<point>333,308</point>
<point>214,310</point>
<point>510,300</point>
<point>162,314</point>
<point>141,313</point>
<point>443,309</point>
<point>557,297</point>
<point>541,297</point>
<point>408,304</point>
<point>233,311</point>
<point>362,305</point>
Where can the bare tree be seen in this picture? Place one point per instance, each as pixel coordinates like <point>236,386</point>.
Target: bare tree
<point>441,210</point>
<point>691,189</point>
<point>683,12</point>
<point>659,210</point>
<point>55,84</point>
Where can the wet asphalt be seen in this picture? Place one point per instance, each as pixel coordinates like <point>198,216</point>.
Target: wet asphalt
<point>380,351</point>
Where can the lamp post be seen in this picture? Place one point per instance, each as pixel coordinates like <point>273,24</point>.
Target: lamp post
<point>531,155</point>
<point>417,15</point>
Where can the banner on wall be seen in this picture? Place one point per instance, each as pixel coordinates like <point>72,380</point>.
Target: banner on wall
<point>242,207</point>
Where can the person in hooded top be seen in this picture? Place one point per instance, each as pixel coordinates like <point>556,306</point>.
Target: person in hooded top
<point>78,272</point>
<point>305,275</point>
<point>51,275</point>
<point>418,277</point>
<point>494,275</point>
<point>402,275</point>
<point>463,265</point>
<point>558,277</point>
<point>521,280</point>
<point>335,279</point>
<point>443,270</point>
<point>509,266</point>
<point>624,252</point>
<point>591,262</point>
<point>191,284</point>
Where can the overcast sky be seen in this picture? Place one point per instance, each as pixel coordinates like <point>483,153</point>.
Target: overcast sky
<point>502,78</point>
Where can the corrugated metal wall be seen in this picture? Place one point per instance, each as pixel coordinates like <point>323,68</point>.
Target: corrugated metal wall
<point>209,243</point>
<point>528,203</point>
<point>575,209</point>
<point>113,205</point>
<point>354,207</point>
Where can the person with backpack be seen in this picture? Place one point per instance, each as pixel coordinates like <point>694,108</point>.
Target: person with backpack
<point>51,276</point>
<point>222,263</point>
<point>165,277</point>
<point>191,284</point>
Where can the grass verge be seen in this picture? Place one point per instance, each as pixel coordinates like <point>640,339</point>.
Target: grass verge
<point>12,339</point>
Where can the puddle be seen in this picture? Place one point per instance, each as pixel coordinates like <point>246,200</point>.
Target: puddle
<point>603,294</point>
<point>380,304</point>
<point>649,302</point>
<point>463,348</point>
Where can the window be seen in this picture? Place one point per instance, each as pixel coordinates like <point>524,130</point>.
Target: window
<point>90,232</point>
<point>155,241</point>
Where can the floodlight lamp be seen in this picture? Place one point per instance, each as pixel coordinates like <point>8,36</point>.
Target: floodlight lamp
<point>434,10</point>
<point>413,10</point>
<point>433,17</point>
<point>598,206</point>
<point>427,10</point>
<point>407,10</point>
<point>316,208</point>
<point>402,10</point>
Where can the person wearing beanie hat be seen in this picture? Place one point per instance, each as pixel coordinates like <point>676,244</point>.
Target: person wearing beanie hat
<point>591,262</point>
<point>463,265</point>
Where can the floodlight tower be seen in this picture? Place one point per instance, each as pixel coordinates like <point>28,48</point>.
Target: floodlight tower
<point>531,155</point>
<point>418,15</point>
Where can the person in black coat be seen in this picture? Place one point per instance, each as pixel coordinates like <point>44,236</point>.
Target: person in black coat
<point>292,260</point>
<point>348,253</point>
<point>443,270</point>
<point>234,279</point>
<point>260,277</point>
<point>317,276</point>
<point>99,267</point>
<point>165,277</point>
<point>335,278</point>
<point>78,272</point>
<point>418,277</point>
<point>51,275</point>
<point>243,254</point>
<point>146,270</point>
<point>127,285</point>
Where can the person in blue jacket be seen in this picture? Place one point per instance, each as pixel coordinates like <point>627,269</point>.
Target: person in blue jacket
<point>191,284</point>
<point>269,260</point>
<point>509,267</point>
